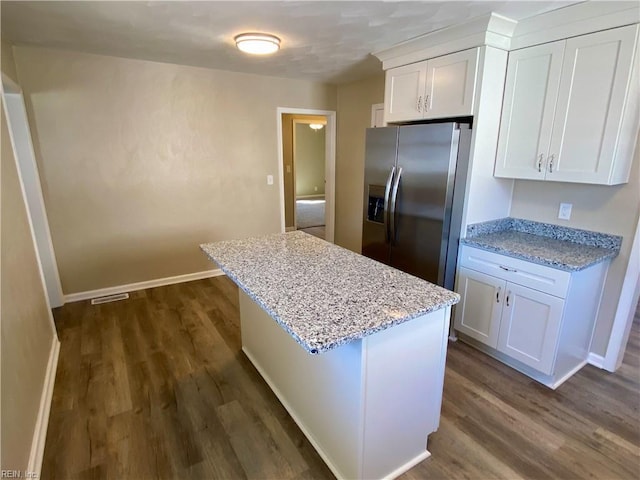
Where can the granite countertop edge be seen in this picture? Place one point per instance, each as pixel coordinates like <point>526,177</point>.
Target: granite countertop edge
<point>325,347</point>
<point>579,249</point>
<point>315,348</point>
<point>560,265</point>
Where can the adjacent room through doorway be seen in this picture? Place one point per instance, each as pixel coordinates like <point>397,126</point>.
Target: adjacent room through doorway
<point>304,140</point>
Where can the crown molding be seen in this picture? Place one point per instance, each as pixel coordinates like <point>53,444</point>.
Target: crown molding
<point>506,34</point>
<point>573,20</point>
<point>491,29</point>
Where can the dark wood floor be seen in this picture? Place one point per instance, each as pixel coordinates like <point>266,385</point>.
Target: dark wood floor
<point>318,231</point>
<point>156,387</point>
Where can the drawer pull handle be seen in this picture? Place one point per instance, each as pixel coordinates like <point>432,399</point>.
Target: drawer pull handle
<point>498,295</point>
<point>419,105</point>
<point>507,269</point>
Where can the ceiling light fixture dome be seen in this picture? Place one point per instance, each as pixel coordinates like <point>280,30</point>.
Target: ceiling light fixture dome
<point>316,126</point>
<point>257,43</point>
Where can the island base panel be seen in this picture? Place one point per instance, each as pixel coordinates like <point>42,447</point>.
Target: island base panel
<point>367,406</point>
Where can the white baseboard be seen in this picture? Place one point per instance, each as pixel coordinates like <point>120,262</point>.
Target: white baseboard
<point>40,432</point>
<point>132,287</point>
<point>319,196</point>
<point>595,360</point>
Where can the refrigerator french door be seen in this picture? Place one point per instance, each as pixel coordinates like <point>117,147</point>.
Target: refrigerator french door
<point>415,178</point>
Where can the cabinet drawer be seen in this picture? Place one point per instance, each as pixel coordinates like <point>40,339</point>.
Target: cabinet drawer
<point>544,279</point>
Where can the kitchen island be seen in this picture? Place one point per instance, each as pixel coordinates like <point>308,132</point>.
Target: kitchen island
<point>354,350</point>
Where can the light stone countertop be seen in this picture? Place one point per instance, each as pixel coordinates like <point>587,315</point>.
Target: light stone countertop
<point>555,246</point>
<point>321,294</point>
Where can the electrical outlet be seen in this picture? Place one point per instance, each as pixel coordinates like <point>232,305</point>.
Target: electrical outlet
<point>269,179</point>
<point>315,189</point>
<point>564,213</point>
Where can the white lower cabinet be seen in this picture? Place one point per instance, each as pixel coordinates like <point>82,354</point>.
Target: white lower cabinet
<point>530,326</point>
<point>534,318</point>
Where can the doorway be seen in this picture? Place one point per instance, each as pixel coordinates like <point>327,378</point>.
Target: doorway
<point>20,133</point>
<point>307,171</point>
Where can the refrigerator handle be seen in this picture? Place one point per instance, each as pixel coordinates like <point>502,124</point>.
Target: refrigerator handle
<point>387,193</point>
<point>394,198</point>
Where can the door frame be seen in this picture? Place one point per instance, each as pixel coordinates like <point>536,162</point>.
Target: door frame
<point>330,165</point>
<point>625,312</point>
<point>303,121</point>
<point>20,134</point>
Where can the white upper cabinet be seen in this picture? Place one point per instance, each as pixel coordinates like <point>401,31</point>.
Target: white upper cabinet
<point>451,82</point>
<point>595,81</point>
<point>570,111</point>
<point>437,88</point>
<point>404,91</point>
<point>531,89</point>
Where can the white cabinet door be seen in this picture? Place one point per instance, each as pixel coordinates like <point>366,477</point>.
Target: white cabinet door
<point>479,310</point>
<point>530,327</point>
<point>531,90</point>
<point>596,76</point>
<point>404,92</point>
<point>451,81</point>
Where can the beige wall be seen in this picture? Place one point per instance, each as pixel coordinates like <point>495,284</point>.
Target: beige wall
<point>354,117</point>
<point>309,160</point>
<point>143,161</point>
<point>27,332</point>
<point>604,209</point>
<point>8,64</point>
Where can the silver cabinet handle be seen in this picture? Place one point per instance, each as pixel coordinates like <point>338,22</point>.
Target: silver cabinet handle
<point>426,103</point>
<point>507,269</point>
<point>419,106</point>
<point>507,299</point>
<point>551,163</point>
<point>540,162</point>
<point>394,200</point>
<point>387,196</point>
<point>498,294</point>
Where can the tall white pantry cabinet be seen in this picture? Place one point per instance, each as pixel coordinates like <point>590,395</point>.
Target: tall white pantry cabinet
<point>570,109</point>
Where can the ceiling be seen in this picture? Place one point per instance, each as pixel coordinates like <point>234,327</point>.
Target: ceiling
<point>321,40</point>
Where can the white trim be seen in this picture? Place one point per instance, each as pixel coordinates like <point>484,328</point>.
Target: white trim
<point>409,465</point>
<point>330,165</point>
<point>40,432</point>
<point>595,360</point>
<point>21,142</point>
<point>625,312</point>
<point>132,287</point>
<point>376,107</point>
<point>310,197</point>
<point>9,85</point>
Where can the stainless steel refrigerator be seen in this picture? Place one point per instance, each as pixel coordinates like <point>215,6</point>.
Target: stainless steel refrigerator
<point>415,179</point>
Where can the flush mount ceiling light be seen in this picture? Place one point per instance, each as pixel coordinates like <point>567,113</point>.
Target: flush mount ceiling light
<point>257,43</point>
<point>316,126</point>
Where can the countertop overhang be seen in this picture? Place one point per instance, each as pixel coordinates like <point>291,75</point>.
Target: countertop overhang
<point>323,295</point>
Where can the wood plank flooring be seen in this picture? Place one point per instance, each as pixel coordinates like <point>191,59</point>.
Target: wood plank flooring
<point>315,231</point>
<point>156,387</point>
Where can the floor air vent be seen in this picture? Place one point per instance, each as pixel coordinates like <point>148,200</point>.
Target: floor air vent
<point>109,298</point>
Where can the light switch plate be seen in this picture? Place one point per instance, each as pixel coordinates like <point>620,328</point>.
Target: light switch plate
<point>269,179</point>
<point>564,212</point>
